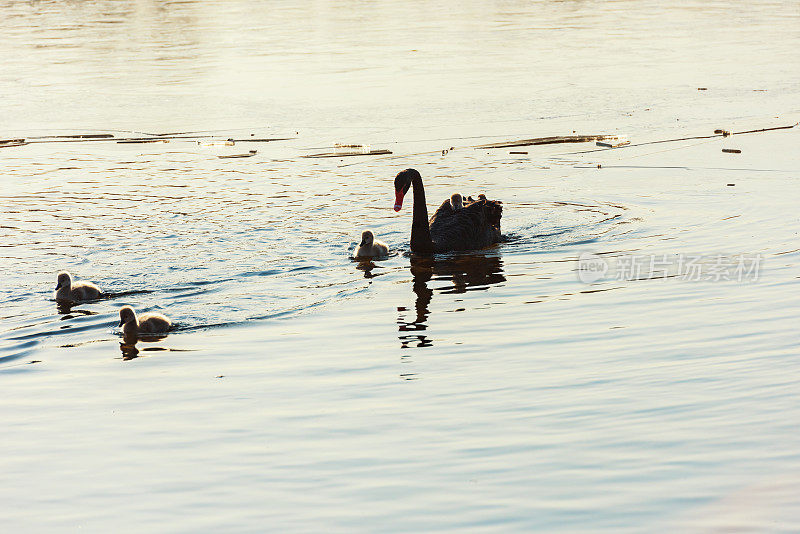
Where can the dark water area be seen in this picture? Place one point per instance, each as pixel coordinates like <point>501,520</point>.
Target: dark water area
<point>625,360</point>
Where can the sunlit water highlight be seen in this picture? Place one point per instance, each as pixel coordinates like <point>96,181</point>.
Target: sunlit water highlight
<point>491,390</point>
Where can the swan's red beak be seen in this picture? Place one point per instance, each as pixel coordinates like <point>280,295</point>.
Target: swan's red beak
<point>398,200</point>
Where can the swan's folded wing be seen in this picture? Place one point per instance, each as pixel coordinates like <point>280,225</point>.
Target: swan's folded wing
<point>445,210</point>
<point>468,228</point>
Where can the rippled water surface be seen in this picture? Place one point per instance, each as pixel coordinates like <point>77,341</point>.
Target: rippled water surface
<point>508,389</point>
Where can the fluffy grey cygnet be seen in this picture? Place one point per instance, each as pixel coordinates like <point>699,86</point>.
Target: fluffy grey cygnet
<point>67,290</point>
<point>456,201</point>
<point>369,247</point>
<point>146,323</point>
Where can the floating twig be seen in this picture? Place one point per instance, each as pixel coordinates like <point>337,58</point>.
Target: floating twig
<point>249,154</point>
<point>613,145</point>
<point>378,152</point>
<point>548,140</point>
<point>75,136</point>
<point>12,142</point>
<point>135,141</point>
<point>722,133</point>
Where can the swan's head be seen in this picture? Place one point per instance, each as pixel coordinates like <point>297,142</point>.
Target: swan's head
<point>402,182</point>
<point>126,315</point>
<point>64,280</point>
<point>457,201</point>
<point>367,238</point>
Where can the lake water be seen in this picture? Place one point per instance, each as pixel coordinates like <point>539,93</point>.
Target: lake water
<point>625,361</point>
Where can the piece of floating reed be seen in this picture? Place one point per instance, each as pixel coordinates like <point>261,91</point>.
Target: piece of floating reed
<point>12,142</point>
<point>377,152</point>
<point>157,138</point>
<point>261,139</point>
<point>548,141</point>
<point>75,136</point>
<point>717,133</point>
<point>732,150</point>
<point>613,145</point>
<point>139,141</point>
<point>227,142</point>
<point>249,154</point>
<point>517,152</point>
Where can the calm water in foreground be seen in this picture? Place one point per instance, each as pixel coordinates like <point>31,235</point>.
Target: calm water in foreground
<point>510,389</point>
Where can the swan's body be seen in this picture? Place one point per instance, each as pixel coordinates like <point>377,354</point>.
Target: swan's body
<point>370,247</point>
<point>456,201</point>
<point>146,323</point>
<point>476,225</point>
<point>69,291</point>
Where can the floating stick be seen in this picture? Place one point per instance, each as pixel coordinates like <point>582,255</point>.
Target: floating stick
<point>549,140</point>
<point>379,152</point>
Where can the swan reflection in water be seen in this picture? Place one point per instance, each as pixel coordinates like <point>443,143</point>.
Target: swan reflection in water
<point>367,266</point>
<point>128,344</point>
<point>472,272</point>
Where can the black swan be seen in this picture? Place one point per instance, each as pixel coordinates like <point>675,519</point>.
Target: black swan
<point>475,225</point>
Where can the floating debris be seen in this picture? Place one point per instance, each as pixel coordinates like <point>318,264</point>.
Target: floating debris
<point>249,154</point>
<point>549,140</point>
<point>691,138</point>
<point>140,141</point>
<point>702,88</point>
<point>227,142</point>
<point>731,185</point>
<point>76,136</point>
<point>12,142</point>
<point>725,133</point>
<point>377,152</point>
<point>621,142</point>
<point>732,150</point>
<point>517,152</point>
<point>261,139</point>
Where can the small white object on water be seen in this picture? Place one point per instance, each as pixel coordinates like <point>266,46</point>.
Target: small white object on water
<point>146,323</point>
<point>370,247</point>
<point>69,291</point>
<point>227,142</point>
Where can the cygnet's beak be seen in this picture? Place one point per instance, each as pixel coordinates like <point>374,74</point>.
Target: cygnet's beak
<point>58,286</point>
<point>362,243</point>
<point>398,200</point>
<point>121,322</point>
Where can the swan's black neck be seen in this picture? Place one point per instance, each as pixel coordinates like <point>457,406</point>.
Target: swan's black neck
<point>421,241</point>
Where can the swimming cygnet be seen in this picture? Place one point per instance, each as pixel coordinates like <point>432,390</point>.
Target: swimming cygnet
<point>369,247</point>
<point>146,323</point>
<point>66,290</point>
<point>456,201</point>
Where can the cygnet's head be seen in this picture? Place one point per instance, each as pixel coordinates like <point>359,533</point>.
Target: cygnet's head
<point>456,201</point>
<point>367,238</point>
<point>126,315</point>
<point>64,280</point>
